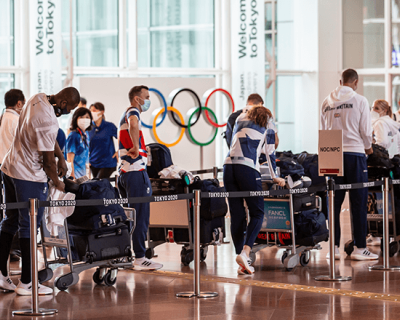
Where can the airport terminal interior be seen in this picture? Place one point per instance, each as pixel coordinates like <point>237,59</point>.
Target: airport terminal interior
<point>199,61</point>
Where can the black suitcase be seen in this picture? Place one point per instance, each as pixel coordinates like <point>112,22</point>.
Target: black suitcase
<point>304,201</point>
<point>102,244</point>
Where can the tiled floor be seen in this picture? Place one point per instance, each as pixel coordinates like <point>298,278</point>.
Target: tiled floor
<point>139,295</point>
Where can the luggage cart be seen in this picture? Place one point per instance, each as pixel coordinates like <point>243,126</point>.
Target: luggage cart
<point>375,213</point>
<point>172,222</point>
<point>107,269</point>
<point>279,213</point>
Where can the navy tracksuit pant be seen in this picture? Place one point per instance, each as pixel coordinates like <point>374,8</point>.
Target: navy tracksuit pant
<point>355,171</point>
<point>239,177</point>
<point>137,184</point>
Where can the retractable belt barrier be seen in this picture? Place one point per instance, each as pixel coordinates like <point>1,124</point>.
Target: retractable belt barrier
<point>34,204</point>
<point>188,196</point>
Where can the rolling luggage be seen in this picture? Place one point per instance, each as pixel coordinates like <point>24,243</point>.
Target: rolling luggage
<point>210,207</point>
<point>102,244</point>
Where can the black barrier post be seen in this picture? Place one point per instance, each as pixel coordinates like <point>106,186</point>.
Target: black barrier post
<point>197,293</point>
<point>332,272</point>
<point>35,311</point>
<point>385,238</point>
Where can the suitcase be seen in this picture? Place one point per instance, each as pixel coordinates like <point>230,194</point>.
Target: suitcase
<point>102,244</point>
<point>304,201</point>
<point>210,208</point>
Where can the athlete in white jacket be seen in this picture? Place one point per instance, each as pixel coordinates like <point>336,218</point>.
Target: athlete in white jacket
<point>346,110</point>
<point>386,130</point>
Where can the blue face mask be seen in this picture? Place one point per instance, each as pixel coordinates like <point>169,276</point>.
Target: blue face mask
<point>146,105</point>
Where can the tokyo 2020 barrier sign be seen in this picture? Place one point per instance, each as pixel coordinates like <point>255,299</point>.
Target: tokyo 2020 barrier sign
<point>192,116</point>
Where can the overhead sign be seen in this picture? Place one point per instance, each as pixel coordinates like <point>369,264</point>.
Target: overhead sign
<point>248,49</point>
<point>45,46</point>
<point>330,152</point>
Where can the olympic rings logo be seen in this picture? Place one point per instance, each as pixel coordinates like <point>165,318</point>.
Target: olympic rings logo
<point>192,116</point>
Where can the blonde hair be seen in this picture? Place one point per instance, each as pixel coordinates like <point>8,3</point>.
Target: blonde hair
<point>259,115</point>
<point>385,106</point>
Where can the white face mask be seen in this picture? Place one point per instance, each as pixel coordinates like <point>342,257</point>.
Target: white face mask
<point>83,123</point>
<point>96,115</point>
<point>374,115</point>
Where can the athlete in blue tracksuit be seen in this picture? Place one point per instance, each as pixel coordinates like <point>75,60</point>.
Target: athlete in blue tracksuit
<point>346,110</point>
<point>242,173</point>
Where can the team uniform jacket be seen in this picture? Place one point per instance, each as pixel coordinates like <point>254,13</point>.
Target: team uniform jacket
<point>346,110</point>
<point>125,143</point>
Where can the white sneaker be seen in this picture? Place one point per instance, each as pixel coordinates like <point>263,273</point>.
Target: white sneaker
<point>26,289</point>
<point>146,264</point>
<point>337,254</point>
<point>373,241</point>
<point>244,264</point>
<point>6,283</point>
<point>363,254</point>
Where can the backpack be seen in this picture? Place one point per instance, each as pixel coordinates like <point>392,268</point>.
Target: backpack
<point>379,158</point>
<point>227,135</point>
<point>160,159</point>
<point>310,165</point>
<point>210,208</point>
<point>289,166</point>
<point>94,217</point>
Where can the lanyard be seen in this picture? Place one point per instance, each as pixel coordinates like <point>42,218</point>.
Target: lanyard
<point>83,136</point>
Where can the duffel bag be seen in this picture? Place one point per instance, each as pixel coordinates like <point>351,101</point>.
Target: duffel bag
<point>379,158</point>
<point>289,166</point>
<point>210,208</point>
<point>94,217</point>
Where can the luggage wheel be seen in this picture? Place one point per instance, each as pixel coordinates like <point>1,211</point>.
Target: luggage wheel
<point>393,248</point>
<point>98,276</point>
<point>187,256</point>
<point>203,253</point>
<point>67,280</point>
<point>149,253</point>
<point>45,275</point>
<point>291,261</point>
<point>349,247</point>
<point>111,277</point>
<point>305,258</point>
<point>284,256</point>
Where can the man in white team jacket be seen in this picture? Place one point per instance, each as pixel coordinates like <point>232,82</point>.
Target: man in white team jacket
<point>346,110</point>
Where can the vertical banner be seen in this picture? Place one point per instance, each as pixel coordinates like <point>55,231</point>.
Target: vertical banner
<point>248,49</point>
<point>45,46</point>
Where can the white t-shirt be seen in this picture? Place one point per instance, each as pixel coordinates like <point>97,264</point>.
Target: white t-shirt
<point>36,132</point>
<point>346,110</point>
<point>8,125</point>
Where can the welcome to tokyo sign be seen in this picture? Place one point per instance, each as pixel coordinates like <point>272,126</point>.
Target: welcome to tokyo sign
<point>248,49</point>
<point>45,46</point>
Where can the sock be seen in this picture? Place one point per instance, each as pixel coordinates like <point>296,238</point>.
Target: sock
<point>25,244</point>
<point>5,247</point>
<point>140,259</point>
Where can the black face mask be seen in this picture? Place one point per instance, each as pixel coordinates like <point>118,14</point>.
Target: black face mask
<point>57,110</point>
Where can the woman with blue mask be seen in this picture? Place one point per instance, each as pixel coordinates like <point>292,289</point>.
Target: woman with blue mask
<point>102,155</point>
<point>77,146</point>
